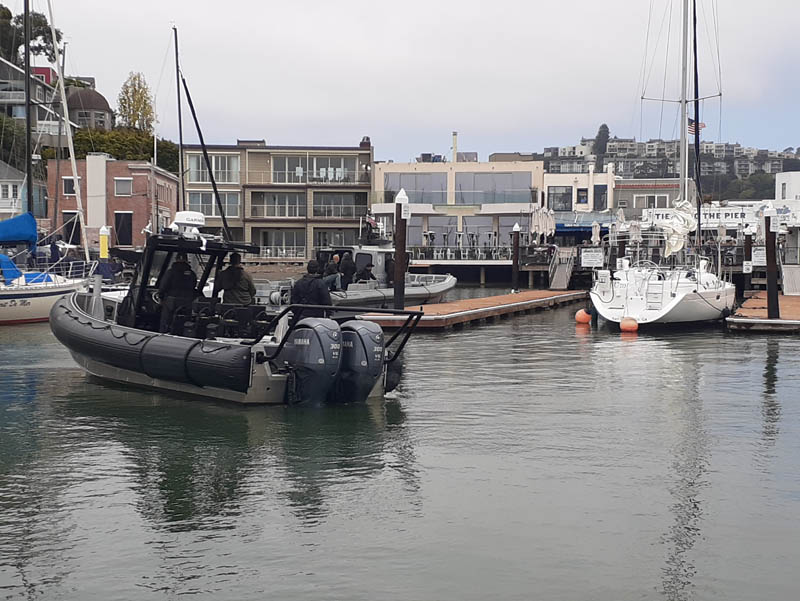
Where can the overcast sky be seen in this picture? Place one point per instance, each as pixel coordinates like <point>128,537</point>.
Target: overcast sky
<point>507,75</point>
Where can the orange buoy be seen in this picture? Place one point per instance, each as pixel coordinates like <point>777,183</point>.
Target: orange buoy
<point>582,316</point>
<point>628,324</point>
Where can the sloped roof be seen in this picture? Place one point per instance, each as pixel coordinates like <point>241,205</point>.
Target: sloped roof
<point>86,99</point>
<point>9,173</point>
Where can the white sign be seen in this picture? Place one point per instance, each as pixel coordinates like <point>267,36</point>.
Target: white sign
<point>591,257</point>
<point>711,217</point>
<point>774,223</point>
<point>760,256</point>
<point>405,211</point>
<point>747,267</point>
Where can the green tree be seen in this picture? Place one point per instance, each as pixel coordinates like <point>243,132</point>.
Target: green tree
<point>126,144</point>
<point>599,146</point>
<point>12,142</point>
<point>135,104</point>
<point>12,36</point>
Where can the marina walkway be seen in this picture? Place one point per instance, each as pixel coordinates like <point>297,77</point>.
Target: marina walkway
<point>752,315</point>
<point>444,315</point>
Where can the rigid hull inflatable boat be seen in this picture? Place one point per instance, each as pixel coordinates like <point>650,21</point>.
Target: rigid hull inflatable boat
<point>246,354</point>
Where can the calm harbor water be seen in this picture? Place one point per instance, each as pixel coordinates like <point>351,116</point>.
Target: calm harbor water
<point>524,459</point>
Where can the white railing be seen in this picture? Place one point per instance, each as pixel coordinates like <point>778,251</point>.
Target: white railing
<point>338,177</point>
<point>278,211</point>
<point>9,204</point>
<point>221,177</point>
<point>12,96</point>
<point>340,211</point>
<point>282,252</point>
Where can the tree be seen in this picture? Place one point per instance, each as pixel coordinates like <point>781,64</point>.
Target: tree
<point>12,36</point>
<point>12,142</point>
<point>126,144</point>
<point>599,146</point>
<point>135,104</point>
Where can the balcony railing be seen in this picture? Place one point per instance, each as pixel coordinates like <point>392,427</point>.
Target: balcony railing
<point>277,211</point>
<point>343,177</point>
<point>340,211</point>
<point>221,177</point>
<point>281,252</point>
<point>9,204</point>
<point>12,96</point>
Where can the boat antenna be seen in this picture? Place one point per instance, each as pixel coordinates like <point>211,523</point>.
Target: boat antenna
<point>68,131</point>
<point>225,231</point>
<point>181,172</point>
<point>697,124</point>
<point>28,148</point>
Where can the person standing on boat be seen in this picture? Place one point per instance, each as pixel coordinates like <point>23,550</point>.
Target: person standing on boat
<point>236,283</point>
<point>390,270</point>
<point>331,276</point>
<point>347,268</point>
<point>366,273</point>
<point>177,289</point>
<point>55,255</point>
<point>311,290</point>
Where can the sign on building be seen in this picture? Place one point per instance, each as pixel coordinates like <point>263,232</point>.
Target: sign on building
<point>759,256</point>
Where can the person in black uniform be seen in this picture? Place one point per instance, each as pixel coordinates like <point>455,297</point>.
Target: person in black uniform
<point>177,289</point>
<point>347,267</point>
<point>366,273</point>
<point>390,270</point>
<point>311,290</point>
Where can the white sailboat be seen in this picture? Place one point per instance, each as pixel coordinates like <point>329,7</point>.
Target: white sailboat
<point>642,292</point>
<point>28,294</point>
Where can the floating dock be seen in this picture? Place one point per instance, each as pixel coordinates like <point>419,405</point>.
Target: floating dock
<point>445,315</point>
<point>752,315</point>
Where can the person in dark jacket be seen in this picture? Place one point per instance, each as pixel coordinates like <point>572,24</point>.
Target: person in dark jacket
<point>311,290</point>
<point>390,270</point>
<point>347,267</point>
<point>366,273</point>
<point>236,283</point>
<point>331,276</point>
<point>177,289</point>
<point>55,254</point>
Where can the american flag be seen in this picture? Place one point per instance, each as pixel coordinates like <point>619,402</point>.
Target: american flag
<point>692,129</point>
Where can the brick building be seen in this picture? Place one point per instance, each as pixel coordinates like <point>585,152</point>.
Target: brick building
<point>115,193</point>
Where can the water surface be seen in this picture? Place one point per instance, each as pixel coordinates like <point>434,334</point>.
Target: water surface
<point>525,459</point>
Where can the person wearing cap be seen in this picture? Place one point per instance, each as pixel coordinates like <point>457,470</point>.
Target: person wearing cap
<point>311,290</point>
<point>236,283</point>
<point>177,289</point>
<point>366,273</point>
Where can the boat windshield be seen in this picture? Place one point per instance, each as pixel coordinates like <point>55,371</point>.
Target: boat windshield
<point>159,266</point>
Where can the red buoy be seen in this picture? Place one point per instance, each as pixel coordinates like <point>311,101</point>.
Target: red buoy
<point>582,316</point>
<point>628,324</point>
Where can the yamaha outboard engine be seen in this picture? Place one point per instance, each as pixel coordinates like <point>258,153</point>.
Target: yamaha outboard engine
<point>362,361</point>
<point>312,354</point>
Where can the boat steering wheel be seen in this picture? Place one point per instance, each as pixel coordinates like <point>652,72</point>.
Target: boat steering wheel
<point>155,296</point>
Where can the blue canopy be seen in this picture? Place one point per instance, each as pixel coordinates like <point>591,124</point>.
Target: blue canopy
<point>18,230</point>
<point>10,271</point>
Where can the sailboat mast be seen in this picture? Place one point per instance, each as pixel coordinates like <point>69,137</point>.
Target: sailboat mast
<point>28,206</point>
<point>684,154</point>
<point>696,122</point>
<point>181,194</point>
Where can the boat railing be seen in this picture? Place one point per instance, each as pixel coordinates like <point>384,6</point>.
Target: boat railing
<point>279,252</point>
<point>41,274</point>
<point>425,279</point>
<point>401,335</point>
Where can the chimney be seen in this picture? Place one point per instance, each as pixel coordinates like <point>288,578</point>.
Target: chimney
<point>455,146</point>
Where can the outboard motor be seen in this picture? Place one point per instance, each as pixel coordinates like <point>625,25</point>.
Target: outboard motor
<point>362,361</point>
<point>312,354</point>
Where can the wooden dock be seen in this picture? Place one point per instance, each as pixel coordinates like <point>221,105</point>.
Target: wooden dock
<point>752,315</point>
<point>445,315</point>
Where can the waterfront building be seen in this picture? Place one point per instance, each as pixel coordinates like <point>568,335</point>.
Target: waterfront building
<point>12,193</point>
<point>118,194</point>
<point>88,108</point>
<point>289,200</point>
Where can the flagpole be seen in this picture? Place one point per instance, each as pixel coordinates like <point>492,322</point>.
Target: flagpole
<point>697,127</point>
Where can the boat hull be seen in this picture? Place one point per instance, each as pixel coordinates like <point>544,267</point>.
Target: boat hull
<point>31,304</point>
<point>423,294</point>
<point>690,307</point>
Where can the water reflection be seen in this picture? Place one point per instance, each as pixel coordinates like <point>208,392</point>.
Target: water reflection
<point>770,406</point>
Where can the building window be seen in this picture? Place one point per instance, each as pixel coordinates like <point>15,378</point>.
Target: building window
<point>123,227</point>
<point>783,191</point>
<point>123,186</point>
<point>583,196</point>
<point>428,188</point>
<point>197,169</point>
<point>336,169</point>
<point>278,204</point>
<point>226,168</point>
<point>622,204</point>
<point>600,197</point>
<point>484,188</point>
<point>283,243</point>
<point>69,185</point>
<point>204,203</point>
<point>289,169</point>
<point>335,238</point>
<point>346,205</point>
<point>559,198</point>
<point>650,201</point>
<point>72,228</point>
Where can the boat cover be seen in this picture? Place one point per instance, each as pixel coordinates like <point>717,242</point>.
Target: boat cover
<point>19,230</point>
<point>10,271</point>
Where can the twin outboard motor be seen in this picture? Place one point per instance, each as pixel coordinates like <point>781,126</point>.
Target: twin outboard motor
<point>312,352</point>
<point>362,361</point>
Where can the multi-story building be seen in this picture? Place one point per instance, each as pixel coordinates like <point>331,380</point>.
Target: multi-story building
<point>12,193</point>
<point>88,108</point>
<point>287,199</point>
<point>122,195</point>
